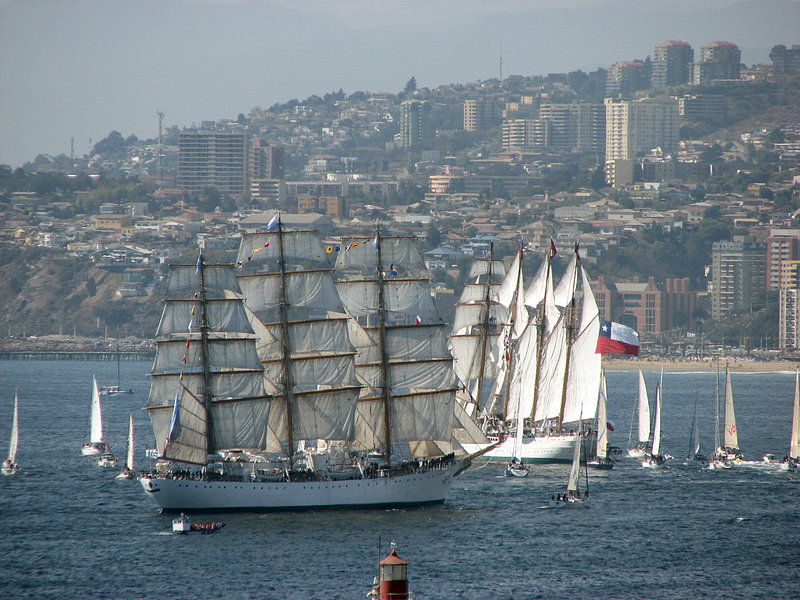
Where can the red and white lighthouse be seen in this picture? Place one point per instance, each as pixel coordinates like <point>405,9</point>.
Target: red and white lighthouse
<point>393,583</point>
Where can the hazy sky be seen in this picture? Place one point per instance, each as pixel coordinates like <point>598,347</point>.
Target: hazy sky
<point>82,68</point>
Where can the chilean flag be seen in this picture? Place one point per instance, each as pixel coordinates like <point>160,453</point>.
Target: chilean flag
<point>616,338</point>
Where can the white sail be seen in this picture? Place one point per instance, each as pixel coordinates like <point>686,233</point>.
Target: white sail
<point>644,411</point>
<point>222,315</point>
<point>406,299</point>
<point>552,368</point>
<point>731,433</point>
<point>129,459</point>
<point>537,288</point>
<point>469,317</point>
<point>656,447</point>
<point>565,291</point>
<point>307,293</point>
<point>96,432</point>
<point>482,266</point>
<point>358,255</point>
<point>574,472</point>
<point>794,444</point>
<point>602,421</point>
<point>300,249</point>
<point>583,380</point>
<point>183,279</point>
<point>14,442</point>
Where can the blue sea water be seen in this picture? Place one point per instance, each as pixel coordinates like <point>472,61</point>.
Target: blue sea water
<point>68,529</point>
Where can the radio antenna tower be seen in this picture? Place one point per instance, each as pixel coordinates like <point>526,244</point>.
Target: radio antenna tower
<point>160,151</point>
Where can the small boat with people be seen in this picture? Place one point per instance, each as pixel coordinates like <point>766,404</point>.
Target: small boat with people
<point>182,524</point>
<point>129,472</point>
<point>653,458</point>
<point>727,450</point>
<point>791,461</point>
<point>642,409</point>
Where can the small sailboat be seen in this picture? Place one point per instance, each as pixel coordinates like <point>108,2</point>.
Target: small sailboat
<point>129,471</point>
<point>694,453</point>
<point>573,498</point>
<point>654,458</point>
<point>601,460</point>
<point>96,444</point>
<point>115,390</point>
<point>729,450</point>
<point>792,460</point>
<point>10,465</point>
<point>718,461</point>
<point>643,406</point>
<point>516,468</point>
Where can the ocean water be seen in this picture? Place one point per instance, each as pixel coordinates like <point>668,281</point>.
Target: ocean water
<point>68,529</point>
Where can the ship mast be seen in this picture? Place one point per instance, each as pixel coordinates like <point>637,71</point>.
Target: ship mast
<point>287,354</point>
<point>387,424</point>
<point>204,353</point>
<point>510,332</point>
<point>540,334</point>
<point>485,329</point>
<point>570,326</point>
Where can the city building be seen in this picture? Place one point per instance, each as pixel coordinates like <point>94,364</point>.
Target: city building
<point>671,64</point>
<point>718,61</point>
<point>635,127</point>
<point>647,307</point>
<point>216,159</point>
<point>415,128</point>
<point>578,126</point>
<point>781,251</point>
<point>624,78</point>
<point>707,108</point>
<point>738,276</point>
<point>788,315</point>
<point>785,60</point>
<point>266,161</point>
<point>478,114</point>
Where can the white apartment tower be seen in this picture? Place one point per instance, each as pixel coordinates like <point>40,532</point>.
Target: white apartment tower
<point>634,127</point>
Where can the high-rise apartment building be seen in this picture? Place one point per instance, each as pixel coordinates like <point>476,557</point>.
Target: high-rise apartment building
<point>785,60</point>
<point>580,126</point>
<point>213,159</point>
<point>624,78</point>
<point>524,134</point>
<point>478,114</point>
<point>415,128</point>
<point>267,161</point>
<point>781,251</point>
<point>718,60</point>
<point>671,64</point>
<point>633,128</point>
<point>738,276</point>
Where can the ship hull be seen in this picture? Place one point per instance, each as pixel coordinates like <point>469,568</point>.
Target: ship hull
<point>426,487</point>
<point>544,449</point>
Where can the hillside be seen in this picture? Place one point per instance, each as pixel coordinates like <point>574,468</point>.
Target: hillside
<point>46,293</point>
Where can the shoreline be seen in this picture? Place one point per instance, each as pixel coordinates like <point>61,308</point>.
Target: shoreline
<point>702,366</point>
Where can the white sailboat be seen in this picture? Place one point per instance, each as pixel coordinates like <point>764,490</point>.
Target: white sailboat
<point>115,389</point>
<point>517,467</point>
<point>96,444</point>
<point>10,465</point>
<point>792,461</point>
<point>642,407</point>
<point>654,458</point>
<point>548,365</point>
<point>283,416</point>
<point>729,450</point>
<point>573,498</point>
<point>718,461</point>
<point>129,472</point>
<point>694,453</point>
<point>602,460</point>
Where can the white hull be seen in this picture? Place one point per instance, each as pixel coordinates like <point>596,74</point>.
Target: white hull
<point>9,470</point>
<point>91,451</point>
<point>540,449</point>
<point>571,503</point>
<point>417,488</point>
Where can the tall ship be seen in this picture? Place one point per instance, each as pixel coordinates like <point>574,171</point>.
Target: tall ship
<point>548,375</point>
<point>273,406</point>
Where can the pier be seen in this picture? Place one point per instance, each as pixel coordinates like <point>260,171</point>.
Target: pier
<point>75,355</point>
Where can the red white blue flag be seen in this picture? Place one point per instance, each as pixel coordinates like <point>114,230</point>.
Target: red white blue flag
<point>616,338</point>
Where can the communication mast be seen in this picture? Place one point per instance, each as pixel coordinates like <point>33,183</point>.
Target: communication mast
<point>160,152</point>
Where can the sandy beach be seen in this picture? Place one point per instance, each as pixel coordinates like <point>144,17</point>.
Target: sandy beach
<point>741,365</point>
